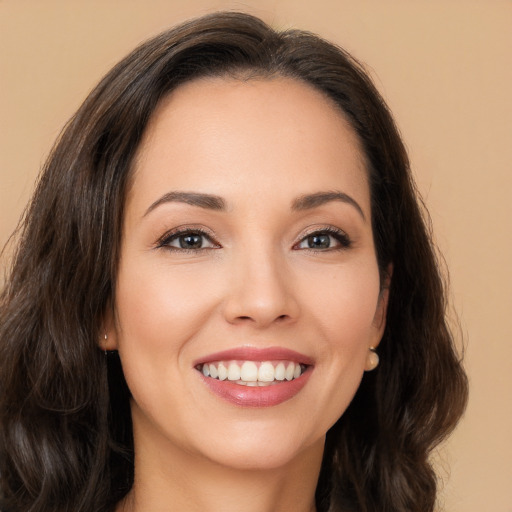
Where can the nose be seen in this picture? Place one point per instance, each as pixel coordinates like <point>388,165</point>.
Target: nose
<point>261,290</point>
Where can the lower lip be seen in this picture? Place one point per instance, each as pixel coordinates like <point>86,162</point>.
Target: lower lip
<point>265,396</point>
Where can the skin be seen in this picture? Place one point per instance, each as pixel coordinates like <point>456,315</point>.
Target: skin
<point>259,145</point>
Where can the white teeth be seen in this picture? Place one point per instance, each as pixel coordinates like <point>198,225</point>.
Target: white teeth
<point>251,373</point>
<point>233,371</point>
<point>266,372</point>
<point>279,374</point>
<point>222,370</point>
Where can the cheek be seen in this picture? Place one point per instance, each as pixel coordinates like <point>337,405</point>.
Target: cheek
<point>343,312</point>
<point>344,304</point>
<point>159,309</point>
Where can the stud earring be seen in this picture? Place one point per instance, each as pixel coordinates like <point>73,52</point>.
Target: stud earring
<point>105,344</point>
<point>372,360</point>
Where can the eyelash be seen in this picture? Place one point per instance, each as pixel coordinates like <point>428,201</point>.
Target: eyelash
<point>340,236</point>
<point>164,242</point>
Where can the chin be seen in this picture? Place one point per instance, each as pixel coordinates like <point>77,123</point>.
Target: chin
<point>261,452</point>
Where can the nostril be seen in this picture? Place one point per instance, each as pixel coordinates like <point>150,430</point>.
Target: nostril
<point>279,318</point>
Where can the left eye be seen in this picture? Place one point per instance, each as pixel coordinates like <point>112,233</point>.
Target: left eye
<point>191,240</point>
<point>324,240</point>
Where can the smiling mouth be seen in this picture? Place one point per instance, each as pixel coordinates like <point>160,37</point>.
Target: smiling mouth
<point>253,373</point>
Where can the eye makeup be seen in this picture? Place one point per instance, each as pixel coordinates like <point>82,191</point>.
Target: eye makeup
<point>195,239</point>
<point>187,239</point>
<point>324,239</point>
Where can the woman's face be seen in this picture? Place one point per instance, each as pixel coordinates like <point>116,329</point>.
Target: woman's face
<point>247,260</point>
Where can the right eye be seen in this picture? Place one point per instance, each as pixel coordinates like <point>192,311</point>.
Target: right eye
<point>187,240</point>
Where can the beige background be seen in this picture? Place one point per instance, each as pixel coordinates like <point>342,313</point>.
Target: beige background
<point>444,67</point>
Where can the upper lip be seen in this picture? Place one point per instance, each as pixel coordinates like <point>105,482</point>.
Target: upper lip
<point>256,354</point>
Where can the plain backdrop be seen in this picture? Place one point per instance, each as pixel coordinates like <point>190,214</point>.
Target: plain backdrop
<point>443,66</point>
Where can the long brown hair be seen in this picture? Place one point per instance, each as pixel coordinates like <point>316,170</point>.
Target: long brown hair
<point>65,428</point>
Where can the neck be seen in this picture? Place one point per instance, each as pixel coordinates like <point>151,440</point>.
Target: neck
<point>190,483</point>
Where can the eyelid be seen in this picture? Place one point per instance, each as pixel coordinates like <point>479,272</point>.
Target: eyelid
<point>163,241</point>
<point>341,236</point>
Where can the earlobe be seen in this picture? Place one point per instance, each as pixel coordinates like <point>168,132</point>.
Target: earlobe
<point>108,342</point>
<point>108,334</point>
<point>379,324</point>
<point>372,360</point>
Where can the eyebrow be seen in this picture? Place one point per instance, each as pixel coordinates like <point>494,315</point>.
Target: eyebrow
<point>310,201</point>
<point>207,201</point>
<point>212,202</point>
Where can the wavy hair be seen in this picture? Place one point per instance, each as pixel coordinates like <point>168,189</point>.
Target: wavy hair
<point>65,429</point>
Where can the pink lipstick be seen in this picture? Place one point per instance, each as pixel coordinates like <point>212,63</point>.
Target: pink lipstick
<point>253,377</point>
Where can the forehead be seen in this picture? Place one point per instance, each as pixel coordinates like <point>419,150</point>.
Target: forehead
<point>213,134</point>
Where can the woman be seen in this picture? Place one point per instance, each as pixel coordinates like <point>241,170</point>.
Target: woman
<point>222,240</point>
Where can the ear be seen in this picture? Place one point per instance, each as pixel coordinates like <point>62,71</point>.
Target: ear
<point>379,320</point>
<point>108,334</point>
